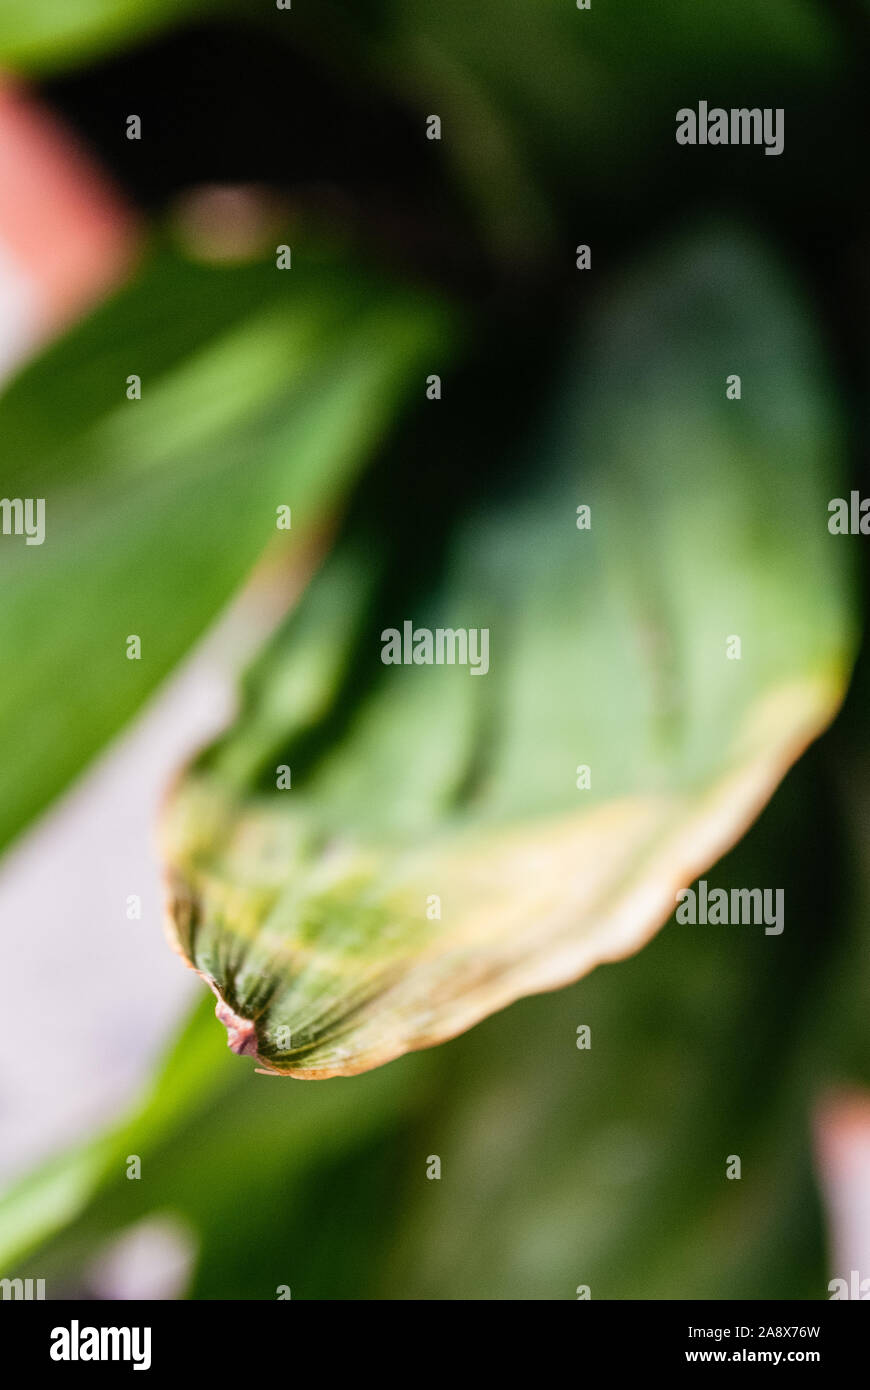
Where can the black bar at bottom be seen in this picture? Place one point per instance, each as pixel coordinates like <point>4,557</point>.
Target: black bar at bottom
<point>225,1339</point>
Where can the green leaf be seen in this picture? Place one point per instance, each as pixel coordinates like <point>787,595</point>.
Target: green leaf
<point>55,33</point>
<point>560,1166</point>
<point>553,118</point>
<point>199,1102</point>
<point>50,1198</point>
<point>308,910</point>
<point>260,389</point>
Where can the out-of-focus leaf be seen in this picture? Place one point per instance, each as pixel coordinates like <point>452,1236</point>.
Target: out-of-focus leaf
<point>307,909</point>
<point>603,1166</point>
<point>607,1166</point>
<point>199,1100</point>
<point>560,1166</point>
<point>260,389</point>
<point>54,33</point>
<point>520,143</point>
<point>52,1196</point>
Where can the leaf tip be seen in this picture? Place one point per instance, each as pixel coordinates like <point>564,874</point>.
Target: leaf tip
<point>241,1032</point>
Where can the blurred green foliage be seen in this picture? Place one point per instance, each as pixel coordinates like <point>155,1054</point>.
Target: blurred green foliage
<point>55,33</point>
<point>259,389</point>
<point>560,1167</point>
<point>608,647</point>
